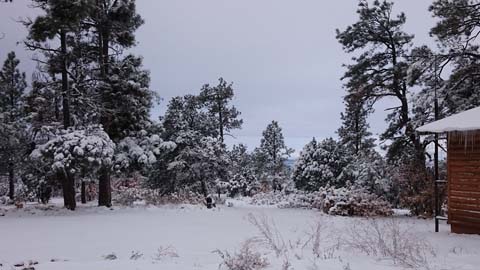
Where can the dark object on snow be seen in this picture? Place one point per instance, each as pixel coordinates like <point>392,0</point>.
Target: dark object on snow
<point>210,203</point>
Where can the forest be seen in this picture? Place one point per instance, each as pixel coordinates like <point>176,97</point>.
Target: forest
<point>80,128</point>
<point>84,119</point>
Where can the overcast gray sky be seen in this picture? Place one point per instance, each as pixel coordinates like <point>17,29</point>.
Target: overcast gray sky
<point>282,56</point>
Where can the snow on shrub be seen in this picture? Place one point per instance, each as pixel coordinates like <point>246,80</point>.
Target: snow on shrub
<point>240,184</point>
<point>3,187</point>
<point>4,200</point>
<point>353,202</point>
<point>128,196</point>
<point>341,201</point>
<point>141,151</point>
<point>89,147</point>
<point>296,199</point>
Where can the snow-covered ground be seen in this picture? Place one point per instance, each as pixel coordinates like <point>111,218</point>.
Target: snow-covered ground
<point>185,238</point>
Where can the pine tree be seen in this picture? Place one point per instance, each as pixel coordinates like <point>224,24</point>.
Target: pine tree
<point>306,172</point>
<point>456,30</point>
<point>114,22</point>
<point>199,159</point>
<point>272,153</point>
<point>59,22</point>
<point>184,117</point>
<point>241,176</point>
<point>98,85</point>
<point>216,100</point>
<point>43,103</point>
<point>61,18</point>
<point>12,87</point>
<point>125,98</point>
<point>195,163</point>
<point>354,134</point>
<point>380,71</point>
<point>321,165</point>
<point>13,84</point>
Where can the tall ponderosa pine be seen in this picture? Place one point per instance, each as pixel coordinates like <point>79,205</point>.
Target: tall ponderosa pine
<point>93,77</point>
<point>12,87</point>
<point>61,19</point>
<point>217,99</point>
<point>380,70</point>
<point>115,22</point>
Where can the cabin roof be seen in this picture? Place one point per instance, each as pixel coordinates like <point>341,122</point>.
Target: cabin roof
<point>464,121</point>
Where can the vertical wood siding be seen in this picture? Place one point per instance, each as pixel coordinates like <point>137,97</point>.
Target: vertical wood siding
<point>464,182</point>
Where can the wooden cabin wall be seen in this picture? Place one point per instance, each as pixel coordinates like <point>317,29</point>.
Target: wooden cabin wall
<point>464,182</point>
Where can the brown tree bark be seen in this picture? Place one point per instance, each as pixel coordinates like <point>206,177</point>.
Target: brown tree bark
<point>68,188</point>
<point>204,188</point>
<point>104,188</point>
<point>84,193</point>
<point>68,180</point>
<point>11,181</point>
<point>65,86</point>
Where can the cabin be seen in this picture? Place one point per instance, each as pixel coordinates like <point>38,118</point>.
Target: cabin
<point>463,168</point>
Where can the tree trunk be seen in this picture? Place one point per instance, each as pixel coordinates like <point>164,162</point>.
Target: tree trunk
<point>204,188</point>
<point>68,188</point>
<point>84,193</point>
<point>11,181</point>
<point>105,50</point>
<point>104,188</point>
<point>65,90</point>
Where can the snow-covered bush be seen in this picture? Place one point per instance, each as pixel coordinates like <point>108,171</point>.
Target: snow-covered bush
<point>23,193</point>
<point>5,200</point>
<point>296,199</point>
<point>3,187</point>
<point>341,201</point>
<point>241,184</point>
<point>76,149</point>
<point>128,196</point>
<point>353,202</point>
<point>140,152</point>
